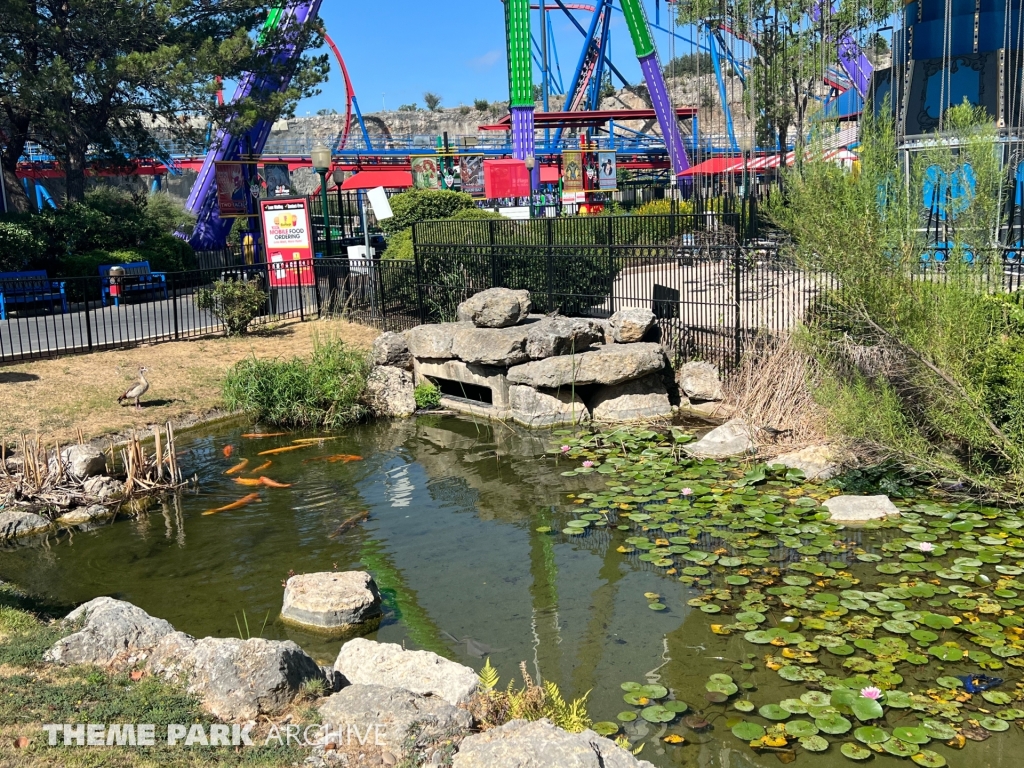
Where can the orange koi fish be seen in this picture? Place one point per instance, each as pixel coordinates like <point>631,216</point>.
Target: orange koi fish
<point>238,467</point>
<point>258,435</point>
<point>314,439</point>
<point>273,483</point>
<point>228,450</point>
<point>261,467</point>
<point>344,458</point>
<point>247,481</point>
<point>235,504</point>
<point>274,451</point>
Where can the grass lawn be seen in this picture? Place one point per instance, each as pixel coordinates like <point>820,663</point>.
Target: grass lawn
<point>55,398</point>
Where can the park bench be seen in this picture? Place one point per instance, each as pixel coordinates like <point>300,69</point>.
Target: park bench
<point>137,278</point>
<point>29,287</point>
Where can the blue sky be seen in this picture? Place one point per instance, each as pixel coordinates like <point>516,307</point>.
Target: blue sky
<point>397,49</point>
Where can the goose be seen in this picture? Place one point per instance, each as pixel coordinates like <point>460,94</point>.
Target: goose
<point>136,390</point>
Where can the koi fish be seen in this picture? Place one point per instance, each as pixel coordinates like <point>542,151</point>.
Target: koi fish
<point>228,450</point>
<point>258,435</point>
<point>238,467</point>
<point>350,523</point>
<point>248,481</point>
<point>235,504</point>
<point>314,439</point>
<point>344,458</point>
<point>274,451</point>
<point>261,467</point>
<point>273,483</point>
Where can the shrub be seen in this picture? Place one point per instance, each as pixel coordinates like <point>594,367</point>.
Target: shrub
<point>19,246</point>
<point>234,303</point>
<point>324,391</point>
<point>427,395</point>
<point>481,105</point>
<point>418,205</point>
<point>493,706</point>
<point>400,245</point>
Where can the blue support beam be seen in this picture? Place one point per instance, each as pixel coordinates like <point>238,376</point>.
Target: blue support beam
<point>722,93</point>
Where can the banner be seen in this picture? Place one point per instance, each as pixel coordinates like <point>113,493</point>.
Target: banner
<point>279,182</point>
<point>231,190</point>
<point>572,171</point>
<point>426,172</point>
<point>606,170</point>
<point>287,235</point>
<point>471,171</point>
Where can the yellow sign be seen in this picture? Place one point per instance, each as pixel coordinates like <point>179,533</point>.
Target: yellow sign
<point>572,171</point>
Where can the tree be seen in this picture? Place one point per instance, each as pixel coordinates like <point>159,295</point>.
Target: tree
<point>432,100</point>
<point>110,78</point>
<point>481,105</point>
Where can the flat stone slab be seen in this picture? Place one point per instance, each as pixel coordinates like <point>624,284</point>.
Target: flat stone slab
<point>540,744</point>
<point>817,462</point>
<point>851,510</point>
<point>552,336</point>
<point>365,662</point>
<point>536,408</point>
<point>111,629</point>
<point>16,524</point>
<point>388,715</point>
<point>333,602</point>
<point>700,381</point>
<point>607,365</point>
<point>491,346</point>
<point>83,515</point>
<point>731,439</point>
<point>644,398</point>
<point>495,308</point>
<point>433,341</point>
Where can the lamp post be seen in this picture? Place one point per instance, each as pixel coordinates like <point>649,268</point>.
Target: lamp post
<point>531,163</point>
<point>746,143</point>
<point>321,157</point>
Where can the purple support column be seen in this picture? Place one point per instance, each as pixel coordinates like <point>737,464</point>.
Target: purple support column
<point>523,145</point>
<point>663,109</point>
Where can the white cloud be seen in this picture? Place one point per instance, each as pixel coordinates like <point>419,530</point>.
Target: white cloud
<point>488,60</point>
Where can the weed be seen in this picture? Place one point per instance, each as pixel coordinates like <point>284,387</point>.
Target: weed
<point>427,396</point>
<point>493,707</point>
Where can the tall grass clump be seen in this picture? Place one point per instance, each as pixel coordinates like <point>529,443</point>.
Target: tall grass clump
<point>323,391</point>
<point>924,365</point>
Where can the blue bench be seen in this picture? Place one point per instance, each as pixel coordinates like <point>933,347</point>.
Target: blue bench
<point>30,287</point>
<point>138,278</point>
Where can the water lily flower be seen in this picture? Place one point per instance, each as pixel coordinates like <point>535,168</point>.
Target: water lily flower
<point>687,491</point>
<point>924,546</point>
<point>588,463</point>
<point>565,448</point>
<point>871,693</point>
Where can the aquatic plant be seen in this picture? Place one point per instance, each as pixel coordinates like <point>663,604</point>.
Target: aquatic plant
<point>427,395</point>
<point>493,707</point>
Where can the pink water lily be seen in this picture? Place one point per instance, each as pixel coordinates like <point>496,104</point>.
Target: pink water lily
<point>687,491</point>
<point>565,449</point>
<point>924,546</point>
<point>588,463</point>
<point>871,693</point>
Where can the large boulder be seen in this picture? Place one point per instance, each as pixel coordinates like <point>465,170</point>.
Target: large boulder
<point>83,515</point>
<point>81,462</point>
<point>112,631</point>
<point>235,679</point>
<point>390,713</point>
<point>365,662</point>
<point>332,602</point>
<point>731,439</point>
<point>851,510</point>
<point>16,524</point>
<point>390,392</point>
<point>550,408</point>
<point>817,462</point>
<point>631,324</point>
<point>607,365</point>
<point>700,381</point>
<point>553,336</point>
<point>521,744</point>
<point>495,308</point>
<point>644,398</point>
<point>103,487</point>
<point>432,341</point>
<point>391,349</point>
<point>491,346</point>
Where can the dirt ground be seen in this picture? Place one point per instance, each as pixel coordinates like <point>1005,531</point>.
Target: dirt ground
<point>55,398</point>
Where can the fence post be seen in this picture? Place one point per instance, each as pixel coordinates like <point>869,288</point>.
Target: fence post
<point>494,264</point>
<point>298,283</point>
<point>419,277</point>
<point>611,269</point>
<point>551,264</point>
<point>88,323</point>
<point>174,304</point>
<point>737,313</point>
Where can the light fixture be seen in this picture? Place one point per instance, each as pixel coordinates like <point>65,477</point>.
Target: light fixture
<point>531,162</point>
<point>746,142</point>
<point>321,157</point>
<point>338,176</point>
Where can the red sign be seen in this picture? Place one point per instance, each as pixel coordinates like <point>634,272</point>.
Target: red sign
<point>232,192</point>
<point>506,178</point>
<point>287,235</point>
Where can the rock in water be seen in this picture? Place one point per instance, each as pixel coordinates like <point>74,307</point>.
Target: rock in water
<point>491,346</point>
<point>112,630</point>
<point>235,679</point>
<point>644,398</point>
<point>391,349</point>
<point>432,342</point>
<point>731,439</point>
<point>16,524</point>
<point>520,744</point>
<point>533,408</point>
<point>607,365</point>
<point>365,662</point>
<point>81,462</point>
<point>553,336</point>
<point>631,324</point>
<point>700,381</point>
<point>817,462</point>
<point>333,602</point>
<point>103,487</point>
<point>851,510</point>
<point>495,308</point>
<point>388,715</point>
<point>85,515</point>
<point>390,392</point>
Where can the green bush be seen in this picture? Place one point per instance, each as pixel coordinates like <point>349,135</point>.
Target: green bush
<point>418,205</point>
<point>234,303</point>
<point>19,246</point>
<point>400,245</point>
<point>427,395</point>
<point>324,391</point>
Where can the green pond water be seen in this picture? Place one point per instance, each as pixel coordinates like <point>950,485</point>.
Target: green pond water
<point>500,539</point>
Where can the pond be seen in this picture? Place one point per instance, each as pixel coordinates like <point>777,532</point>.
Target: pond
<point>674,591</point>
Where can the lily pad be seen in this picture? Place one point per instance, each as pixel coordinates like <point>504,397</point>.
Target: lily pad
<point>929,759</point>
<point>747,731</point>
<point>900,748</point>
<point>814,743</point>
<point>605,728</point>
<point>743,705</point>
<point>833,724</point>
<point>855,751</point>
<point>869,734</point>
<point>627,717</point>
<point>801,728</point>
<point>866,709</point>
<point>676,706</point>
<point>939,730</point>
<point>773,712</point>
<point>657,714</point>
<point>912,735</point>
<point>994,724</point>
<point>653,691</point>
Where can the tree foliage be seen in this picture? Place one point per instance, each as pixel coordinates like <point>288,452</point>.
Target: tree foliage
<point>418,205</point>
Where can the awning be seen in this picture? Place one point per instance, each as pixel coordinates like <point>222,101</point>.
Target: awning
<point>721,165</point>
<point>715,165</point>
<point>549,174</point>
<point>389,179</point>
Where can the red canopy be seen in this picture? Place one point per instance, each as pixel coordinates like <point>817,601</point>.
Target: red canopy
<point>371,179</point>
<point>715,165</point>
<point>549,174</point>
